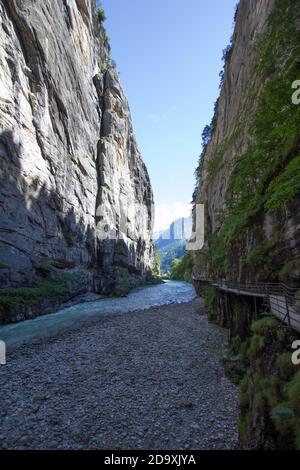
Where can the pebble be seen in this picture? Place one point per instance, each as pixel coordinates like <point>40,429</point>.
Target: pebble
<point>146,379</point>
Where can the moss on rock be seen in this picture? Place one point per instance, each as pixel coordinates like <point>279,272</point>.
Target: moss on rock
<point>269,389</point>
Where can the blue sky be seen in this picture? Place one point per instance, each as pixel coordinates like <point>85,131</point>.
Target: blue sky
<point>168,53</point>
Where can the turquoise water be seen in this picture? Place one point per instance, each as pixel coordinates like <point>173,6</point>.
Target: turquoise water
<point>46,326</point>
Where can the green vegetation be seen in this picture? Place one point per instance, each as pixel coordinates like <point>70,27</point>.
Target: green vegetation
<point>235,345</point>
<point>260,258</point>
<point>267,174</point>
<point>4,266</point>
<point>30,295</point>
<point>108,65</point>
<point>212,259</point>
<point>181,269</point>
<point>170,252</point>
<point>232,366</point>
<point>217,162</point>
<point>286,368</point>
<point>153,280</point>
<point>154,276</point>
<point>244,425</point>
<point>217,256</point>
<point>284,187</point>
<point>106,38</point>
<point>270,384</point>
<point>288,268</point>
<point>226,57</point>
<point>210,295</point>
<point>275,126</point>
<point>262,326</point>
<point>157,262</point>
<point>256,346</point>
<point>101,15</point>
<point>33,296</point>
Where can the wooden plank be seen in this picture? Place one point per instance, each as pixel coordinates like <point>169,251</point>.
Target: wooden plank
<point>241,292</point>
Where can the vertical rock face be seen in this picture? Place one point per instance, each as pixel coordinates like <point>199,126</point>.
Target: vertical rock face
<point>249,174</point>
<point>124,198</point>
<point>69,160</point>
<point>249,182</point>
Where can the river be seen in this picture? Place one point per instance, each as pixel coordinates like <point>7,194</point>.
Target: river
<point>26,332</point>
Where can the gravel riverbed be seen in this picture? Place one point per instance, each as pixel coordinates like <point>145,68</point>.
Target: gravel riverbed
<point>147,379</point>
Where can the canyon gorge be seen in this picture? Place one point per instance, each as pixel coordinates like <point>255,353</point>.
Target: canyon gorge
<point>205,367</point>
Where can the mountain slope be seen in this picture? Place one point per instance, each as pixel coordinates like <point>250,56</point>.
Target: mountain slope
<point>171,243</point>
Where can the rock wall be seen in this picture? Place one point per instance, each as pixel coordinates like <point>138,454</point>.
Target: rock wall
<point>249,174</point>
<point>69,161</point>
<point>249,183</point>
<point>124,199</point>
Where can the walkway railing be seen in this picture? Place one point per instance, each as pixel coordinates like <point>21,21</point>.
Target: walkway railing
<point>278,298</point>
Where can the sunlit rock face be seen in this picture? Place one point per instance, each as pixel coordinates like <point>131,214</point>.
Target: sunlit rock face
<point>247,177</point>
<point>124,199</point>
<point>69,159</point>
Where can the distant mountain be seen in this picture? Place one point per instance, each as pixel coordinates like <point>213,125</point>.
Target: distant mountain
<point>171,243</point>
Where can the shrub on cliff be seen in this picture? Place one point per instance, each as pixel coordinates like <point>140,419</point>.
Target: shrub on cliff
<point>256,346</point>
<point>260,327</point>
<point>270,389</point>
<point>101,15</point>
<point>286,368</point>
<point>108,65</point>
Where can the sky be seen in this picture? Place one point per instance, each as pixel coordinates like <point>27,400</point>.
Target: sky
<point>168,54</point>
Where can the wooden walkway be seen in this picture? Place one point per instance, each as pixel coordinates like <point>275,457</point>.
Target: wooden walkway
<point>282,301</point>
<point>241,291</point>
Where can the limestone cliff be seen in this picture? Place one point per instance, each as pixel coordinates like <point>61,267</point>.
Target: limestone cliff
<point>249,173</point>
<point>249,183</point>
<point>71,172</point>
